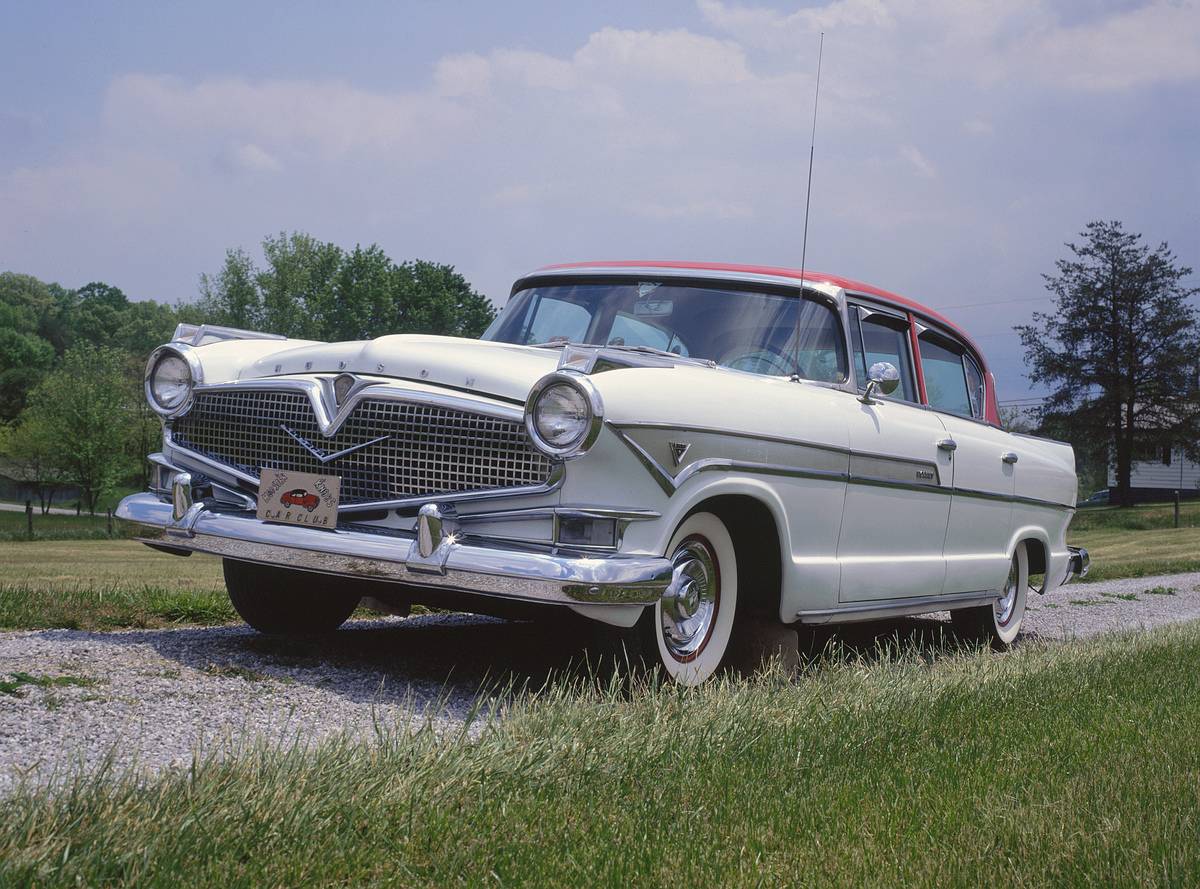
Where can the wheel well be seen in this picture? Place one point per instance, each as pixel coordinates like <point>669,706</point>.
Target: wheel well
<point>1035,551</point>
<point>757,547</point>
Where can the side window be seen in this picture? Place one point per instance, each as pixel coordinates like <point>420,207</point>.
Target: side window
<point>556,319</point>
<point>975,387</point>
<point>880,337</point>
<point>945,375</point>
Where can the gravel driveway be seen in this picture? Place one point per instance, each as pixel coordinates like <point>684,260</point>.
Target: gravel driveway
<point>155,697</point>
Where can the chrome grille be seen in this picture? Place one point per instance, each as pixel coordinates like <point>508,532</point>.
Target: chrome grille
<point>429,450</point>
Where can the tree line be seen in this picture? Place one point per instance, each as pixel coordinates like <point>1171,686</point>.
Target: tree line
<point>72,408</point>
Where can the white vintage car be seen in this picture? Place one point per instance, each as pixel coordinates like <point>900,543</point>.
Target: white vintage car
<point>684,448</point>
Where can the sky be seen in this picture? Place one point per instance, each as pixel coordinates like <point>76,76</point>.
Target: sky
<point>959,144</point>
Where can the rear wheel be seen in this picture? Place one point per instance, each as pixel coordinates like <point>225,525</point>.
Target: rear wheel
<point>688,634</point>
<point>281,601</point>
<point>998,624</point>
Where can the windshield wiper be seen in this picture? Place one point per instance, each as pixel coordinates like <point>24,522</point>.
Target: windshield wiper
<point>645,350</point>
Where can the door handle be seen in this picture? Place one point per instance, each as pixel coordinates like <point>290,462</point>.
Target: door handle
<point>1008,457</point>
<point>947,444</point>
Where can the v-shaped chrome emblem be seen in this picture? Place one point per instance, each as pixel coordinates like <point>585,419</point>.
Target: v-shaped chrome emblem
<point>678,450</point>
<point>329,458</point>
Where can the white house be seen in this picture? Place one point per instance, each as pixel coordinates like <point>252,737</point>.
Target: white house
<point>1158,472</point>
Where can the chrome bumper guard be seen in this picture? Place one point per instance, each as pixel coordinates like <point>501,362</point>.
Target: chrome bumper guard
<point>1078,564</point>
<point>428,559</point>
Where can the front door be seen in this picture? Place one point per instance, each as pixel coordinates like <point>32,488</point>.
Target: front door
<point>897,503</point>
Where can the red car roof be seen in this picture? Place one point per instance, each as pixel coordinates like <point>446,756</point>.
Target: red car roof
<point>820,277</point>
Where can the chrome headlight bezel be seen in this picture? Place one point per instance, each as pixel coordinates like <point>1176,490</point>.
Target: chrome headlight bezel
<point>188,357</point>
<point>591,431</point>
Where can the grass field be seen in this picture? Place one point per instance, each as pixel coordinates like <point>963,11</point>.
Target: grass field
<point>1138,541</point>
<point>92,584</point>
<point>1065,765</point>
<point>14,527</point>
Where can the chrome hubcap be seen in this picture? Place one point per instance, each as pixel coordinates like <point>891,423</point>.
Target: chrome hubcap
<point>689,607</point>
<point>1008,602</point>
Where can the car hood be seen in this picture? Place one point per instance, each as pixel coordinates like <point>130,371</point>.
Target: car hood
<point>501,370</point>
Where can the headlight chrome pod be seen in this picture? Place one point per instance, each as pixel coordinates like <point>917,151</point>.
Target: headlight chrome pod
<point>171,375</point>
<point>564,414</point>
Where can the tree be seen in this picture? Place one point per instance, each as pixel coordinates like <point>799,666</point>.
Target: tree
<point>85,403</point>
<point>31,451</point>
<point>26,355</point>
<point>314,289</point>
<point>231,296</point>
<point>1119,350</point>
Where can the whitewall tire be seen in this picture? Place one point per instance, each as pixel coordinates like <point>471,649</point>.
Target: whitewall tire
<point>999,623</point>
<point>690,629</point>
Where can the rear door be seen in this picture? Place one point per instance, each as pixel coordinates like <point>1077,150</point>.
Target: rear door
<point>984,467</point>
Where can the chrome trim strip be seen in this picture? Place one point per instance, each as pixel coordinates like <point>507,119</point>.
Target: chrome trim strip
<point>670,484</point>
<point>507,572</point>
<point>896,608</point>
<point>720,464</point>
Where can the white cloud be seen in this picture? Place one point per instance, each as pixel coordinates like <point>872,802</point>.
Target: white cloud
<point>918,161</point>
<point>934,116</point>
<point>251,158</point>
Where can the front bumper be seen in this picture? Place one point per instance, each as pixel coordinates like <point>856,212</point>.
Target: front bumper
<point>526,574</point>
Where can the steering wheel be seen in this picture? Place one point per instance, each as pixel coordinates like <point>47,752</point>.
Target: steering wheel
<point>764,360</point>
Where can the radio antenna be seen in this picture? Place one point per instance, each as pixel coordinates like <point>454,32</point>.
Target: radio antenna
<point>807,202</point>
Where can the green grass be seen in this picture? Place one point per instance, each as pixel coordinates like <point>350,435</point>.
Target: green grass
<point>107,585</point>
<point>1068,765</point>
<point>14,527</point>
<point>1119,552</point>
<point>13,685</point>
<point>1145,517</point>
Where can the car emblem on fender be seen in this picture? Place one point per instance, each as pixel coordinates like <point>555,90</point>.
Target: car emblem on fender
<point>329,458</point>
<point>678,450</point>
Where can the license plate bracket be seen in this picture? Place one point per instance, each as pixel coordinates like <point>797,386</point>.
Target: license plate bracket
<point>299,498</point>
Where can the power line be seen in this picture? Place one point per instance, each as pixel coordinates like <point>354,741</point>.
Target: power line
<point>995,302</point>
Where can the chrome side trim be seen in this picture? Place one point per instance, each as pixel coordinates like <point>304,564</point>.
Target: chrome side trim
<point>860,465</point>
<point>663,478</point>
<point>507,572</point>
<point>896,608</point>
<point>719,464</point>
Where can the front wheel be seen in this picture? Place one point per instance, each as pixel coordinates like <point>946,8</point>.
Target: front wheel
<point>286,602</point>
<point>998,624</point>
<point>688,633</point>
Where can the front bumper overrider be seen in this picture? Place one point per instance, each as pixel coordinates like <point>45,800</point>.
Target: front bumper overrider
<point>428,558</point>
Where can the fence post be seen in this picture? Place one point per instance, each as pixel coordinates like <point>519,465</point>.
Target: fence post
<point>29,517</point>
<point>1176,509</point>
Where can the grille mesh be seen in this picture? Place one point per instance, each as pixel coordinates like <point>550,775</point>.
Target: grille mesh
<point>430,449</point>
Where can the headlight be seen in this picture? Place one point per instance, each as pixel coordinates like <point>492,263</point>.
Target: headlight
<point>169,381</point>
<point>563,414</point>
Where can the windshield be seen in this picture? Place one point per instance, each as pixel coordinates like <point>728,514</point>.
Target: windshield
<point>742,329</point>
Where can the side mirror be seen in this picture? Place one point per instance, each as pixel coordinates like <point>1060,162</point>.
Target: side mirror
<point>882,378</point>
